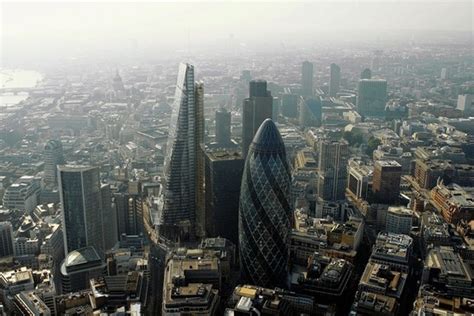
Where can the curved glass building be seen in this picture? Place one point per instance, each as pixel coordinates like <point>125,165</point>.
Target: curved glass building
<point>264,211</point>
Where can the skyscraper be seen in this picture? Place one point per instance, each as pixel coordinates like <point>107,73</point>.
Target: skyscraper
<point>335,80</point>
<point>6,239</point>
<point>223,174</point>
<point>53,157</point>
<point>264,213</point>
<point>386,180</point>
<point>366,74</point>
<point>310,111</point>
<point>333,156</point>
<point>109,217</point>
<point>256,108</point>
<point>81,207</point>
<point>307,79</point>
<point>223,120</point>
<point>199,147</point>
<point>178,198</point>
<point>372,96</point>
<point>289,105</point>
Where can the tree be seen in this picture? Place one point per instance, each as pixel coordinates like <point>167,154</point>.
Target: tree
<point>372,144</point>
<point>353,138</point>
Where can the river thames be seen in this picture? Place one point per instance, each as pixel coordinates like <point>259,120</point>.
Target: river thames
<point>17,78</point>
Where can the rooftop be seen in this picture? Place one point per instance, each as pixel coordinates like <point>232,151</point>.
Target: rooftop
<point>81,256</point>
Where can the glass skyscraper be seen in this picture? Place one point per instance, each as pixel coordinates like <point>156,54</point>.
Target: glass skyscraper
<point>264,212</point>
<point>80,193</point>
<point>335,80</point>
<point>256,108</point>
<point>307,79</point>
<point>178,198</point>
<point>53,157</point>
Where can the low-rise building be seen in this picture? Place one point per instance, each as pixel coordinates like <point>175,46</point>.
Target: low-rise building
<point>254,300</point>
<point>191,283</point>
<point>394,250</point>
<point>382,279</point>
<point>453,202</point>
<point>399,220</point>
<point>448,273</point>
<point>333,239</point>
<point>323,277</point>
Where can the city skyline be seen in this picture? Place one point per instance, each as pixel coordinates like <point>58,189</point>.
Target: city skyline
<point>242,158</point>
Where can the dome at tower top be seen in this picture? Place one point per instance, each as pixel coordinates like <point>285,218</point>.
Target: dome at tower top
<point>268,138</point>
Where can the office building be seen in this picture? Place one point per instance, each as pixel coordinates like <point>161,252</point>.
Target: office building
<point>53,157</point>
<point>264,214</point>
<point>310,111</point>
<point>366,74</point>
<point>192,280</point>
<point>453,202</point>
<point>359,177</point>
<point>223,176</point>
<point>178,199</point>
<point>223,122</point>
<point>23,194</point>
<point>81,207</point>
<point>333,156</point>
<point>323,277</point>
<point>394,250</point>
<point>446,273</point>
<point>109,217</point>
<point>13,282</point>
<point>289,105</point>
<point>307,79</point>
<point>200,229</point>
<point>29,303</point>
<point>127,292</point>
<point>129,212</point>
<point>6,239</point>
<point>79,267</point>
<point>25,246</point>
<point>325,236</point>
<point>466,104</point>
<point>374,304</point>
<point>399,220</point>
<point>386,180</point>
<point>428,171</point>
<point>382,279</point>
<point>256,108</point>
<point>334,80</point>
<point>254,300</point>
<point>372,97</point>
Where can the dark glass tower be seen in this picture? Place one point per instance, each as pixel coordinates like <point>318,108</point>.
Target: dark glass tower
<point>223,174</point>
<point>307,79</point>
<point>335,80</point>
<point>264,213</point>
<point>53,157</point>
<point>372,97</point>
<point>81,207</point>
<point>310,111</point>
<point>366,74</point>
<point>223,120</point>
<point>256,108</point>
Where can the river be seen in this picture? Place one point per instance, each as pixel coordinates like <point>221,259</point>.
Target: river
<point>17,78</point>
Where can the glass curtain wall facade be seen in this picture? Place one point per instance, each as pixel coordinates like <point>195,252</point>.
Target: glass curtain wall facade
<point>80,194</point>
<point>264,211</point>
<point>178,199</point>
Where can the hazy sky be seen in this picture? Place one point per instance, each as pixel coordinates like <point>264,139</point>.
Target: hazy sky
<point>44,29</point>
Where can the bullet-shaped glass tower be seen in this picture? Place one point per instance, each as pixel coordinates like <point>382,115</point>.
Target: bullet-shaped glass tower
<point>264,212</point>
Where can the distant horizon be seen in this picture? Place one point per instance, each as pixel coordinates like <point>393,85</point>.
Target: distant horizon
<point>48,31</point>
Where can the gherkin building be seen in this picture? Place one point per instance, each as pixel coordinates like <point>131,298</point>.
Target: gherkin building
<point>264,211</point>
